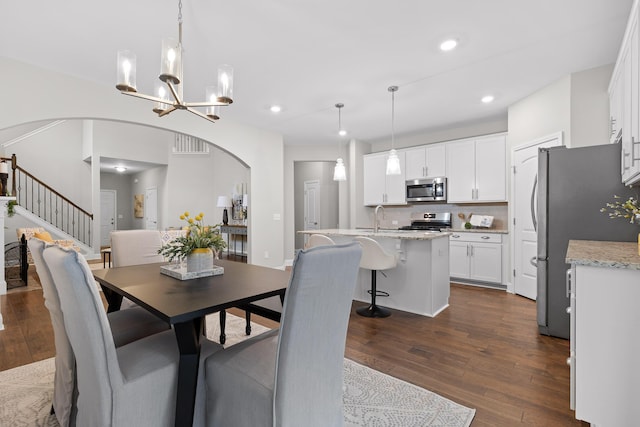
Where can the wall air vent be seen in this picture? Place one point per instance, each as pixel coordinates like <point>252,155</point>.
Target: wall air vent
<point>185,144</point>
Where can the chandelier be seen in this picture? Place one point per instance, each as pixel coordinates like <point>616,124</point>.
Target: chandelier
<point>168,93</point>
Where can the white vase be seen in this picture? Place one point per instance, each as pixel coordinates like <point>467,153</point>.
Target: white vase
<point>199,260</point>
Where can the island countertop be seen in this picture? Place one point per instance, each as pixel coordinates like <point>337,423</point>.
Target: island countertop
<point>622,255</point>
<point>388,233</point>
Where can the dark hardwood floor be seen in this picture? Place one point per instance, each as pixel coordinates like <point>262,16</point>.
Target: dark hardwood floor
<point>484,352</point>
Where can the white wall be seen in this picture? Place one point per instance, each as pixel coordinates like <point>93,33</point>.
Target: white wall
<point>460,131</point>
<point>590,106</point>
<point>59,149</point>
<point>542,113</point>
<point>36,95</point>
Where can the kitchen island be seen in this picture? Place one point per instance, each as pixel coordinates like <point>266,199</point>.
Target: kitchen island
<point>605,288</point>
<point>420,282</point>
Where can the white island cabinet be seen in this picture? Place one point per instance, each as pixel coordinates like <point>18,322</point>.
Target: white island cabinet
<point>605,343</point>
<point>420,282</point>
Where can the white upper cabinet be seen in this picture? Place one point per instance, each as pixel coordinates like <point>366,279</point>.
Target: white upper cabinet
<point>476,170</point>
<point>624,102</point>
<point>425,161</point>
<point>380,188</point>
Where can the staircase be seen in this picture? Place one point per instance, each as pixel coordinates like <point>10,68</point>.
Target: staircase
<point>46,207</point>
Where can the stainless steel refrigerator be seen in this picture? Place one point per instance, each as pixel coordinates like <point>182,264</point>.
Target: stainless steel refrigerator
<point>573,184</point>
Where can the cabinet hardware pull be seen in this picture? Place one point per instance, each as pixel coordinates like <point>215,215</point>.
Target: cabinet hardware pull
<point>568,282</point>
<point>485,237</point>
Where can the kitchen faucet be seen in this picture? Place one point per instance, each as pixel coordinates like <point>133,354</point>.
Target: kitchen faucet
<point>376,220</point>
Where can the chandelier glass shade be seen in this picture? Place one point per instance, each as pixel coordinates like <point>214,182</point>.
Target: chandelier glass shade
<point>339,171</point>
<point>393,162</point>
<point>168,94</point>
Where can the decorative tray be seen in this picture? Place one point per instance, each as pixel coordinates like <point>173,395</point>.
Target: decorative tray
<point>179,271</point>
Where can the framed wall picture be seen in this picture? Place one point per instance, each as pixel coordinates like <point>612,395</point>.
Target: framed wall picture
<point>138,205</point>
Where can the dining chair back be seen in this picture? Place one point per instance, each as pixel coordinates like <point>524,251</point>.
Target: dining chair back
<point>131,385</point>
<point>126,325</point>
<point>318,240</point>
<point>133,247</point>
<point>293,375</point>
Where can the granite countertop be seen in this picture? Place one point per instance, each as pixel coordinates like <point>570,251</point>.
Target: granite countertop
<point>478,230</point>
<point>604,254</point>
<point>387,233</point>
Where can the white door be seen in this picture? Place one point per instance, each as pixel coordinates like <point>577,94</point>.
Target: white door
<point>151,208</point>
<point>525,202</point>
<point>311,206</point>
<point>107,215</point>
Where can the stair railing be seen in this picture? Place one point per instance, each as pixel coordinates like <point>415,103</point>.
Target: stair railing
<point>48,204</point>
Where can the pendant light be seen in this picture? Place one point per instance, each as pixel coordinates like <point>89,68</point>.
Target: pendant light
<point>339,172</point>
<point>393,162</point>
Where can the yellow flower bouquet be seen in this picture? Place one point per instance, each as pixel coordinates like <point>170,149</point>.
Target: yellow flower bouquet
<point>628,209</point>
<point>198,236</point>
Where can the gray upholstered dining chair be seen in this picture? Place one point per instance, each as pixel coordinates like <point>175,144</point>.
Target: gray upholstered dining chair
<point>318,240</point>
<point>126,326</point>
<point>134,247</point>
<point>291,376</point>
<point>132,385</point>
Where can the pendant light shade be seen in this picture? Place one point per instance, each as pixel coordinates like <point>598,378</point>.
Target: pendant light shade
<point>340,172</point>
<point>393,162</point>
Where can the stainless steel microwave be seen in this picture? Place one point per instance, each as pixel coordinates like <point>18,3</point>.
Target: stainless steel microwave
<point>427,190</point>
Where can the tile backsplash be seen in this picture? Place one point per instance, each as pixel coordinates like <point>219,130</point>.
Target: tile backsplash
<point>404,214</point>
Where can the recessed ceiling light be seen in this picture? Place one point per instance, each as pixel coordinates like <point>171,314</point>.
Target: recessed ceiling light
<point>275,108</point>
<point>487,99</point>
<point>448,45</point>
<point>120,168</point>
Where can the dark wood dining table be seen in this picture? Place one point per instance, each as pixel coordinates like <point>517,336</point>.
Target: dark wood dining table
<point>184,303</point>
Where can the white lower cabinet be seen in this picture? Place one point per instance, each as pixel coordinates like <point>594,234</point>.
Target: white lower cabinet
<point>476,256</point>
<point>605,345</point>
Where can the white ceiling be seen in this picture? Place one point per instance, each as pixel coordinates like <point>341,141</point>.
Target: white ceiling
<point>307,56</point>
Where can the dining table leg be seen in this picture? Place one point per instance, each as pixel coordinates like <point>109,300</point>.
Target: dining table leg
<point>114,300</point>
<point>188,337</point>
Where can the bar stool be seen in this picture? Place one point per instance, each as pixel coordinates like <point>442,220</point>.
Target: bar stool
<point>375,258</point>
<point>318,240</point>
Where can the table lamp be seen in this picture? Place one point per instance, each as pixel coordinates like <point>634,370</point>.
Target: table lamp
<point>224,202</point>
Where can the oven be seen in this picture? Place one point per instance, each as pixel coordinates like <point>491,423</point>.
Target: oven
<point>426,190</point>
<point>430,221</point>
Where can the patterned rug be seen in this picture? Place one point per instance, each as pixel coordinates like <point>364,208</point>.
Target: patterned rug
<point>371,398</point>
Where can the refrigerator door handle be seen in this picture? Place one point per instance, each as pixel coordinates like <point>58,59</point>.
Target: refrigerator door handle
<point>533,203</point>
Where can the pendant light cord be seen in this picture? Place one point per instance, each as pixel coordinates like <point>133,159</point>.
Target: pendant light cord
<point>180,22</point>
<point>393,90</point>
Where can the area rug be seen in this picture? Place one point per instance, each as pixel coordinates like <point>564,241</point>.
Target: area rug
<point>371,398</point>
